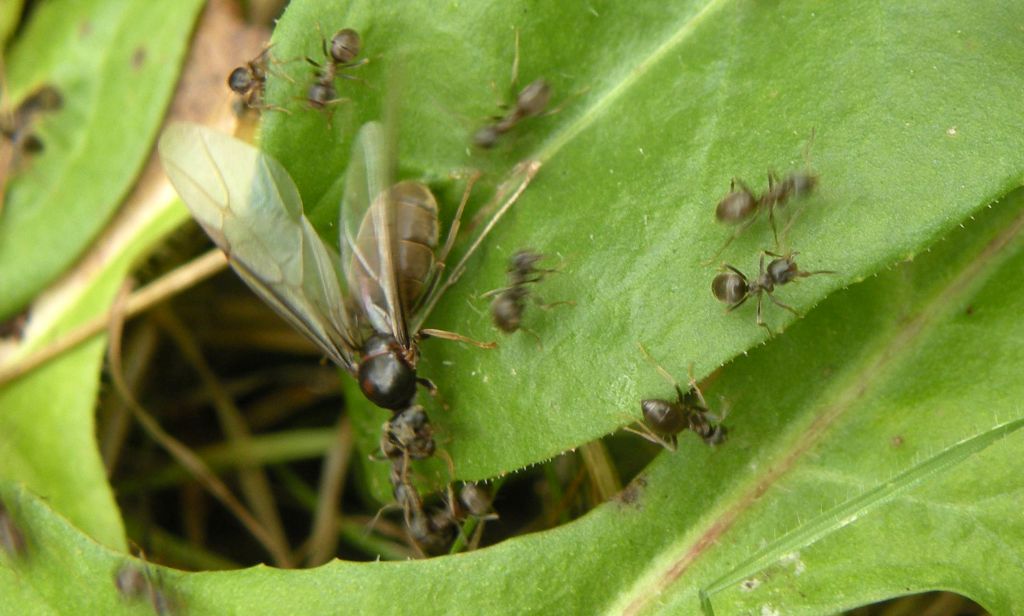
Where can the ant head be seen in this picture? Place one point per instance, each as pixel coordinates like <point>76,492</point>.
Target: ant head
<point>475,499</point>
<point>783,269</point>
<point>523,261</point>
<point>240,80</point>
<point>730,287</point>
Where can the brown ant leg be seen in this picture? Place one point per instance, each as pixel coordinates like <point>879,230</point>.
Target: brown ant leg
<point>771,221</point>
<point>648,435</point>
<point>434,392</point>
<point>661,371</point>
<point>802,274</point>
<point>781,305</point>
<point>446,335</point>
<point>453,230</point>
<point>760,320</point>
<point>738,232</point>
<point>695,387</point>
<point>540,304</point>
<point>732,307</point>
<point>540,343</point>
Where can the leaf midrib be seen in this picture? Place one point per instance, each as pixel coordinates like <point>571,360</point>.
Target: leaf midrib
<point>602,102</point>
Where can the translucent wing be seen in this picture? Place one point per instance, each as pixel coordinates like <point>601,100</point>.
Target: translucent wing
<point>368,239</point>
<point>249,205</point>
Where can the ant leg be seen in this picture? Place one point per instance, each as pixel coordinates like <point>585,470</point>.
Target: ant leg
<point>494,292</point>
<point>760,321</point>
<point>540,343</point>
<point>771,220</point>
<point>441,453</point>
<point>504,198</point>
<point>736,271</point>
<point>664,373</point>
<point>732,307</point>
<point>515,62</point>
<point>432,389</point>
<point>540,304</point>
<point>261,106</point>
<point>781,305</point>
<point>453,230</point>
<point>738,232</point>
<point>447,335</point>
<point>647,434</point>
<point>695,387</point>
<point>376,518</point>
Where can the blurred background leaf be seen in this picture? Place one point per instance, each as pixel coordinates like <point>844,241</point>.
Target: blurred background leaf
<point>115,63</point>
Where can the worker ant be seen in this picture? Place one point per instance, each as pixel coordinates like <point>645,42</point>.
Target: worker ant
<point>732,286</point>
<point>510,302</point>
<point>341,55</point>
<point>741,206</point>
<point>665,419</point>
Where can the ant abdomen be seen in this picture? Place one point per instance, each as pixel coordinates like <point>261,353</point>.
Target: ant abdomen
<point>663,417</point>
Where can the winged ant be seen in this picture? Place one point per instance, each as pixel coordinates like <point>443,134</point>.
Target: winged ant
<point>366,307</point>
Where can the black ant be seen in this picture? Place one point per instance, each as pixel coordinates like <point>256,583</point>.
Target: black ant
<point>430,532</point>
<point>510,302</point>
<point>250,82</point>
<point>344,48</point>
<point>531,102</point>
<point>433,531</point>
<point>742,207</point>
<point>408,435</point>
<point>732,287</point>
<point>665,419</point>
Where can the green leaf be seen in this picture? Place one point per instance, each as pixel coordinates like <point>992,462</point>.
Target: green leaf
<point>10,14</point>
<point>47,427</point>
<point>887,464</point>
<point>116,63</point>
<point>917,123</point>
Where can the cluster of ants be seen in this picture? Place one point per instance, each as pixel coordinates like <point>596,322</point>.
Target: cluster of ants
<point>18,139</point>
<point>741,208</point>
<point>408,434</point>
<point>249,82</point>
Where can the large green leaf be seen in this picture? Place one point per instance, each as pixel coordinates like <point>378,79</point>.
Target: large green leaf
<point>47,427</point>
<point>883,465</point>
<point>916,115</point>
<point>115,62</point>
